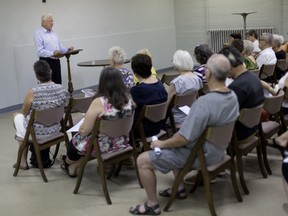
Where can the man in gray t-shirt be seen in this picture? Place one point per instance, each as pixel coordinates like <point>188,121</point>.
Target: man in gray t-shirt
<point>218,107</point>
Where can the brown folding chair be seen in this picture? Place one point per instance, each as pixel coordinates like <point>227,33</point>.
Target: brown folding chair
<point>179,101</point>
<point>240,148</point>
<point>277,125</point>
<point>267,73</point>
<point>282,64</point>
<point>112,128</point>
<point>154,113</point>
<point>47,117</point>
<point>168,77</point>
<point>77,107</point>
<point>218,135</point>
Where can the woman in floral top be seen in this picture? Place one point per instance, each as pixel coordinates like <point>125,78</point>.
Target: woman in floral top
<point>112,102</point>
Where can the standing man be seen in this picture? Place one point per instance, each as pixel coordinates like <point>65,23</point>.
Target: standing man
<point>49,47</point>
<point>218,107</point>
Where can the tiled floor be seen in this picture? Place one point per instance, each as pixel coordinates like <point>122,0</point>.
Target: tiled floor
<point>27,194</point>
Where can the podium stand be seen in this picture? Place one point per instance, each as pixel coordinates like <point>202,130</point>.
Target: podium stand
<point>67,55</point>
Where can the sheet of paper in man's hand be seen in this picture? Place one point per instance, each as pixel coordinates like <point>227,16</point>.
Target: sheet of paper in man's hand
<point>185,109</point>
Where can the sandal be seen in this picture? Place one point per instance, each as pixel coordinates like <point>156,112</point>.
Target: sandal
<point>65,168</point>
<point>181,194</point>
<point>149,210</point>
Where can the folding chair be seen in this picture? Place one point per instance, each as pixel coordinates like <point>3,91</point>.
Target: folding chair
<point>240,148</point>
<point>113,129</point>
<point>168,77</point>
<point>221,136</point>
<point>179,101</point>
<point>274,126</point>
<point>282,64</point>
<point>154,113</point>
<point>47,117</point>
<point>267,73</point>
<point>76,109</point>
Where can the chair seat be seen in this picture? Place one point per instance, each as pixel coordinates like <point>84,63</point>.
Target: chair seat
<point>213,167</point>
<point>270,128</point>
<point>43,140</point>
<point>246,143</point>
<point>107,156</point>
<point>160,134</point>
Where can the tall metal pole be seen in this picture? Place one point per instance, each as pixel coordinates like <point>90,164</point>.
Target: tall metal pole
<point>244,15</point>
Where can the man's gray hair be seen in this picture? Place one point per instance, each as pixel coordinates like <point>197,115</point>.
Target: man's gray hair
<point>268,38</point>
<point>45,17</point>
<point>219,66</point>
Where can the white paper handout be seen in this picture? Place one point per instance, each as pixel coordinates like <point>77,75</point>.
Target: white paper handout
<point>76,127</point>
<point>185,109</point>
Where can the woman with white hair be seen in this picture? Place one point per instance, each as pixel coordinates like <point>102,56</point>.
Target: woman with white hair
<point>280,54</point>
<point>186,82</point>
<point>247,53</point>
<point>117,58</point>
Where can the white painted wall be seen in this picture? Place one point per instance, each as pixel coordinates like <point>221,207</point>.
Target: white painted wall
<point>93,25</point>
<point>193,18</point>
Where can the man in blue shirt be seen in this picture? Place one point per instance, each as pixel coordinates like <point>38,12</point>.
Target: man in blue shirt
<point>49,47</point>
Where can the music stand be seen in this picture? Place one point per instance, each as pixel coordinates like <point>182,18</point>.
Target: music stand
<point>67,55</point>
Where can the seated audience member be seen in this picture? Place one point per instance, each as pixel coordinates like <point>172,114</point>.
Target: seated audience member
<point>283,83</point>
<point>216,108</point>
<point>249,59</point>
<point>252,36</point>
<point>45,95</point>
<point>282,142</point>
<point>153,71</point>
<point>284,47</point>
<point>246,86</point>
<point>234,36</point>
<point>149,91</point>
<point>117,58</point>
<point>186,82</point>
<point>202,53</point>
<point>112,101</point>
<point>280,54</point>
<point>238,44</point>
<point>267,55</point>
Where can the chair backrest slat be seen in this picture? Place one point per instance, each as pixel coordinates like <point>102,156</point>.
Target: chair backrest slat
<point>220,135</point>
<point>268,69</point>
<point>168,77</point>
<point>49,116</point>
<point>282,64</point>
<point>118,127</point>
<point>156,112</point>
<point>250,117</point>
<point>185,99</point>
<point>81,104</point>
<point>273,104</point>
